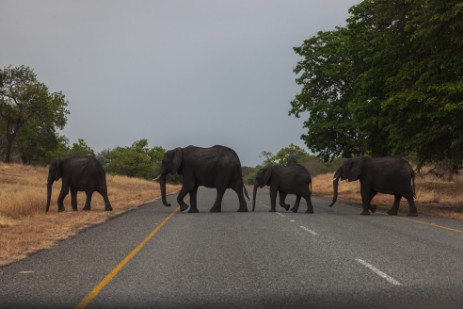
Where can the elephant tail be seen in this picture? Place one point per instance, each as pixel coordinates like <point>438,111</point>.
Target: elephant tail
<point>246,192</point>
<point>413,185</point>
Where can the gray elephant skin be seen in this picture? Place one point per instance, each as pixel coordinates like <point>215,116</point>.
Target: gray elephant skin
<point>293,179</point>
<point>78,174</point>
<point>216,167</point>
<point>389,175</point>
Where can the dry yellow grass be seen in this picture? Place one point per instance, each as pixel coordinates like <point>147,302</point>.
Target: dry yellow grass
<point>24,225</point>
<point>434,196</point>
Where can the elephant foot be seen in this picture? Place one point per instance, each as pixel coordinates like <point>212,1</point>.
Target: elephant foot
<point>413,214</point>
<point>183,207</point>
<point>61,209</point>
<point>365,213</point>
<point>391,212</point>
<point>309,211</point>
<point>215,209</point>
<point>85,209</point>
<point>243,209</point>
<point>272,210</point>
<point>372,208</point>
<point>193,210</point>
<point>285,206</point>
<point>294,210</point>
<point>109,209</point>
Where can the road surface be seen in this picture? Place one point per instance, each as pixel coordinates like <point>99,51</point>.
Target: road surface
<point>158,257</point>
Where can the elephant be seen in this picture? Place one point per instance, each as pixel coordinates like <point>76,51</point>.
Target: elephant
<point>78,174</point>
<point>389,175</point>
<point>293,179</point>
<point>214,167</point>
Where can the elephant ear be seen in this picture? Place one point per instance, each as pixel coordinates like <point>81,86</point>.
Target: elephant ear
<point>177,161</point>
<point>356,169</point>
<point>267,175</point>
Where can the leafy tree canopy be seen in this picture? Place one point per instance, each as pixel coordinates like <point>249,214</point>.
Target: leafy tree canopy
<point>138,160</point>
<point>30,115</point>
<point>291,154</point>
<point>389,83</point>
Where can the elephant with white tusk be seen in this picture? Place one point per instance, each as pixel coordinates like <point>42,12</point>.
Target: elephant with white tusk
<point>215,167</point>
<point>390,175</point>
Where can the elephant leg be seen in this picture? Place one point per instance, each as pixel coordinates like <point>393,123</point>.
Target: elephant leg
<point>104,193</point>
<point>412,212</point>
<point>88,200</point>
<point>365,192</point>
<point>193,201</point>
<point>74,199</point>
<point>372,207</point>
<point>282,200</point>
<point>243,206</point>
<point>296,204</point>
<point>395,207</point>
<point>309,204</point>
<point>273,198</point>
<point>64,191</point>
<point>218,200</point>
<point>181,195</point>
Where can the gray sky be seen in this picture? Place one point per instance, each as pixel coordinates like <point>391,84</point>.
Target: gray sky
<point>178,73</point>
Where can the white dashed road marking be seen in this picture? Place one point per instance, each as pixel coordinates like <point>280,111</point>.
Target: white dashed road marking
<point>378,272</point>
<point>307,230</point>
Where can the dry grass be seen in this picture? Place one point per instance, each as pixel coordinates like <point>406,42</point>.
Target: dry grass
<point>24,225</point>
<point>434,196</point>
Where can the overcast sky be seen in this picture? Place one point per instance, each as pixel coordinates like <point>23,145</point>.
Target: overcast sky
<point>177,73</point>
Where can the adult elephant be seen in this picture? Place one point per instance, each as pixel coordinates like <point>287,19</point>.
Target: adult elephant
<point>78,174</point>
<point>293,179</point>
<point>390,175</point>
<point>215,167</point>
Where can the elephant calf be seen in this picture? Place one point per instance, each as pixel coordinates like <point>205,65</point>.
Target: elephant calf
<point>390,175</point>
<point>78,174</point>
<point>293,179</point>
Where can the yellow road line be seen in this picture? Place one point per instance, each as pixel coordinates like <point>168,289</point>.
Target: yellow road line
<point>97,289</point>
<point>433,224</point>
<point>423,222</point>
<point>430,224</point>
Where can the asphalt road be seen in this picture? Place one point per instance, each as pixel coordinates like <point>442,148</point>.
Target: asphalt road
<point>333,258</point>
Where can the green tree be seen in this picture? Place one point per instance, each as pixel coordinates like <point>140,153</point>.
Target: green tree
<point>425,106</point>
<point>80,149</point>
<point>391,81</point>
<point>27,106</point>
<point>291,154</point>
<point>138,160</point>
<point>325,74</point>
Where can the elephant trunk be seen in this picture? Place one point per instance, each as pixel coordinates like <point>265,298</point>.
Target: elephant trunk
<point>254,191</point>
<point>163,189</point>
<point>335,188</point>
<point>49,190</point>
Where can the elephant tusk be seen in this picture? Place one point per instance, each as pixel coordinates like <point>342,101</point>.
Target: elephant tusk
<point>157,178</point>
<point>335,179</point>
